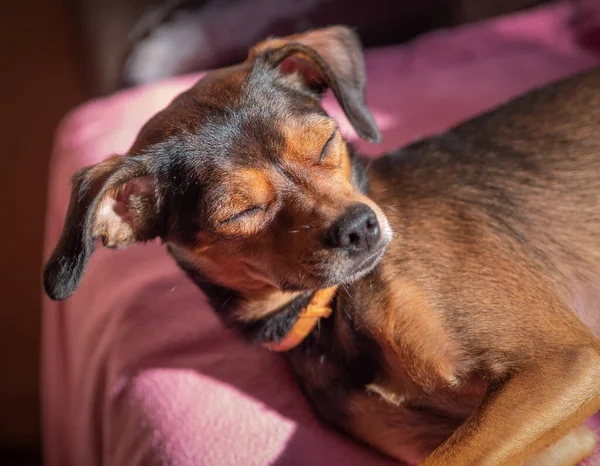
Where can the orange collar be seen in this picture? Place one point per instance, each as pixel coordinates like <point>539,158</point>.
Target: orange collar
<point>318,307</point>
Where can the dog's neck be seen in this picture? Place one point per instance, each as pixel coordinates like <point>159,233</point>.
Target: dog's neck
<point>256,306</point>
<point>303,319</point>
<point>268,317</point>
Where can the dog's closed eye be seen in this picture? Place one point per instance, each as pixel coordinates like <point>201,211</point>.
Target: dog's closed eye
<point>327,146</point>
<point>244,214</point>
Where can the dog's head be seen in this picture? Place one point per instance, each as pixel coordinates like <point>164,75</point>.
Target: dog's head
<point>244,176</point>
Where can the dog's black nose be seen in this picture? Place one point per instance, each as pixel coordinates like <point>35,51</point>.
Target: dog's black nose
<point>356,230</point>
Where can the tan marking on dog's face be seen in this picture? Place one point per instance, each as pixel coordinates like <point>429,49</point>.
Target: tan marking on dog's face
<point>248,199</point>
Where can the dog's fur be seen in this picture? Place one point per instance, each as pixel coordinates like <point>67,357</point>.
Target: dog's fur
<point>472,341</point>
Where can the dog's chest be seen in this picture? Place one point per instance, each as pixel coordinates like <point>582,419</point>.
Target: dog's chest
<point>415,347</point>
<point>368,369</point>
<point>423,381</point>
<point>421,363</point>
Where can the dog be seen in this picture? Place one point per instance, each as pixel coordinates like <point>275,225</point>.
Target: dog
<point>439,303</point>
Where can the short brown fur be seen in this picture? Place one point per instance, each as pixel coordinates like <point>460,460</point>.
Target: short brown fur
<point>465,330</point>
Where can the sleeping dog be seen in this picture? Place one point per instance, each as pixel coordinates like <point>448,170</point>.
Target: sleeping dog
<point>439,304</point>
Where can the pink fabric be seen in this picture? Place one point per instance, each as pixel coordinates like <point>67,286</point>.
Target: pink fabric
<point>136,368</point>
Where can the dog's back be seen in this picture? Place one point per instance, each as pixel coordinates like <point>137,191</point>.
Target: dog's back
<point>557,129</point>
<point>523,178</point>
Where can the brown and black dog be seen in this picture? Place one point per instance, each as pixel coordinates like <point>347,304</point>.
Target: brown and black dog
<point>463,270</point>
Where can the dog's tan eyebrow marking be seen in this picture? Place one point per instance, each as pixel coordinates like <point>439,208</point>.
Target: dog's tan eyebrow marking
<point>250,192</point>
<point>326,146</point>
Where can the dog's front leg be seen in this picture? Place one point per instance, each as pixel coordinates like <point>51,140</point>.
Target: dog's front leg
<point>530,411</point>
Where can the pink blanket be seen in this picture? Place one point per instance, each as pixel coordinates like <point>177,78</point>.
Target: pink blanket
<point>136,368</point>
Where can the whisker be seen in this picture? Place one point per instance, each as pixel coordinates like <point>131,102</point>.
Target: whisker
<point>345,289</point>
<point>285,276</point>
<point>305,227</point>
<point>351,297</point>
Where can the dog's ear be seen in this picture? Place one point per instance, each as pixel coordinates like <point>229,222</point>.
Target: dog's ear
<point>326,58</point>
<point>114,200</point>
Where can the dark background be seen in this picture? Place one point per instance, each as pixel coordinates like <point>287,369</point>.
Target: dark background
<point>40,80</point>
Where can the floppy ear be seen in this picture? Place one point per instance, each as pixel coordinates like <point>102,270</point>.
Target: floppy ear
<point>326,58</point>
<point>114,200</point>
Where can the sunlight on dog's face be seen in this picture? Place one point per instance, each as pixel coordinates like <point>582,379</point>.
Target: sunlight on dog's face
<point>272,225</point>
<point>277,205</point>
